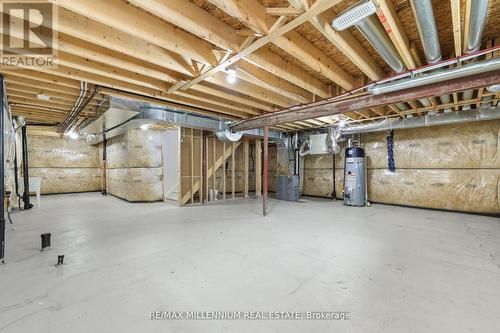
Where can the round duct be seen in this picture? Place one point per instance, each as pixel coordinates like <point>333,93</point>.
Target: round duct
<point>227,135</point>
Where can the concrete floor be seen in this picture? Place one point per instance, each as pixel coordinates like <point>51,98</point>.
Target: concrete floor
<point>394,269</point>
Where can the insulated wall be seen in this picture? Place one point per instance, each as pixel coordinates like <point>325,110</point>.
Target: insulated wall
<point>135,165</point>
<point>64,165</point>
<point>453,167</point>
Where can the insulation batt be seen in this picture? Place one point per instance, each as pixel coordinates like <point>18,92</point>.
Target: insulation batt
<point>68,180</point>
<point>136,184</point>
<point>135,165</point>
<point>64,165</point>
<point>54,152</point>
<point>453,167</point>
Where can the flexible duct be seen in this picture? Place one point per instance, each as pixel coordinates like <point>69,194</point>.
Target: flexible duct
<point>332,140</point>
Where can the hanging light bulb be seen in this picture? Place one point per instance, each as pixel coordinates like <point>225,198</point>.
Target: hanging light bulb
<point>231,76</point>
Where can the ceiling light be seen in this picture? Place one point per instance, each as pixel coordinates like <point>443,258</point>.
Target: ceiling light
<point>144,127</point>
<point>231,76</point>
<point>73,135</point>
<point>43,97</point>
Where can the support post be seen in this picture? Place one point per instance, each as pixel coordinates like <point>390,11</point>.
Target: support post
<point>207,162</point>
<point>2,174</point>
<point>233,165</point>
<point>245,168</point>
<point>191,162</point>
<point>104,166</point>
<point>214,164</point>
<point>258,169</point>
<point>202,161</point>
<point>224,170</point>
<point>266,160</point>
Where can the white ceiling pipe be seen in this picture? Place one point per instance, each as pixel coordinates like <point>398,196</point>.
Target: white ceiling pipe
<point>435,77</point>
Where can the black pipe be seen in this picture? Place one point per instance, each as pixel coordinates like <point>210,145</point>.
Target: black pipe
<point>334,192</point>
<point>16,170</point>
<point>104,190</point>
<point>297,162</point>
<point>2,174</point>
<point>26,194</point>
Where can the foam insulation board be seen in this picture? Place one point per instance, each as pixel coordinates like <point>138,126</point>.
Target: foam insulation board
<point>67,180</point>
<point>55,152</point>
<point>136,184</point>
<point>136,148</point>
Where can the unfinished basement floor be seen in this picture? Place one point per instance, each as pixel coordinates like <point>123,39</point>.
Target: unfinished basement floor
<point>394,269</point>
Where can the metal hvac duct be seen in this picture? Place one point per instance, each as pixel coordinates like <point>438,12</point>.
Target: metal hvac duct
<point>361,16</point>
<point>477,17</point>
<point>478,12</point>
<point>435,77</point>
<point>424,15</point>
<point>426,23</point>
<point>454,117</point>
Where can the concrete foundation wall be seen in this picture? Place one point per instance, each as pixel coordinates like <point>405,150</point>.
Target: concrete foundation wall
<point>135,166</point>
<point>454,167</point>
<point>64,165</point>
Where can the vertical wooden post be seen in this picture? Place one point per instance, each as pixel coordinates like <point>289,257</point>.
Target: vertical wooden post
<point>245,168</point>
<point>201,166</point>
<point>266,158</point>
<point>258,169</point>
<point>180,131</point>
<point>191,163</point>
<point>214,162</point>
<point>233,166</point>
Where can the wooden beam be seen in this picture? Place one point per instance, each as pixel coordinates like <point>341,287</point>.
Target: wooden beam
<point>247,13</point>
<point>197,21</point>
<point>390,20</point>
<point>118,15</point>
<point>283,11</point>
<point>457,26</point>
<point>345,42</point>
<point>253,74</point>
<point>318,7</point>
<point>326,108</point>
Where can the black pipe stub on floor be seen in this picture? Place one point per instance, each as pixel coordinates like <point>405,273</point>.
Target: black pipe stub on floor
<point>45,240</point>
<point>60,259</point>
